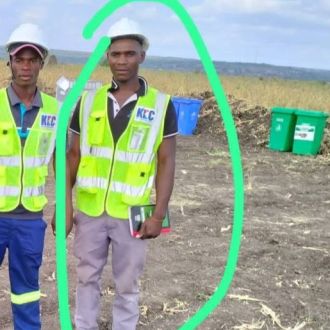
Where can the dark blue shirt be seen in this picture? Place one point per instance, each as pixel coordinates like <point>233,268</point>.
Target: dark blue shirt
<point>27,121</point>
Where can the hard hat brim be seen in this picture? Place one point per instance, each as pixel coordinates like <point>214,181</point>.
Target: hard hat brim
<point>16,49</point>
<point>138,37</point>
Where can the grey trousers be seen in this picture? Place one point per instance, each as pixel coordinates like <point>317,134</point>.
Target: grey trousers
<point>93,235</point>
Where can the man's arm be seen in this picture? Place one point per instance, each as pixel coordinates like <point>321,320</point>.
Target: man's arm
<point>69,209</point>
<point>151,228</point>
<point>73,158</point>
<point>72,163</point>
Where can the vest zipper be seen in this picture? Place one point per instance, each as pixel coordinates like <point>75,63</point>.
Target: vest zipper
<point>114,150</point>
<point>22,136</point>
<point>22,172</point>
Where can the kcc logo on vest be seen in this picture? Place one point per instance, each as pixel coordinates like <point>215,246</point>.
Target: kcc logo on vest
<point>47,121</point>
<point>145,115</point>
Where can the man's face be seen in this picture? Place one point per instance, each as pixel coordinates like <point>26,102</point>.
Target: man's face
<point>25,66</point>
<point>124,57</point>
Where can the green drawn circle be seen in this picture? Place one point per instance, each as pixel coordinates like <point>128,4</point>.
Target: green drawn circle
<point>233,143</point>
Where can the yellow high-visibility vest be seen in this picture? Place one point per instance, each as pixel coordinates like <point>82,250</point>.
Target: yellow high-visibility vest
<point>23,170</point>
<point>111,177</point>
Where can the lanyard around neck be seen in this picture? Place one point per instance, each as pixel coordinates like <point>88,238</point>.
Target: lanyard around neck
<point>21,133</point>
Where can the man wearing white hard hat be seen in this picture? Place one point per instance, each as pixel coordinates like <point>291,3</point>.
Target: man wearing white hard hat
<point>27,136</point>
<point>123,141</point>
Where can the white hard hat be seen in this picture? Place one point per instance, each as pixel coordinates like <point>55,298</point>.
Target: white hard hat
<point>128,28</point>
<point>27,35</point>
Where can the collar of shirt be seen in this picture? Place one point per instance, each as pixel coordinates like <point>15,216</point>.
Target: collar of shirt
<point>116,107</point>
<point>141,92</point>
<point>15,100</point>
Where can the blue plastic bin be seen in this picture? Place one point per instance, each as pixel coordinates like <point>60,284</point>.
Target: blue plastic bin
<point>187,111</point>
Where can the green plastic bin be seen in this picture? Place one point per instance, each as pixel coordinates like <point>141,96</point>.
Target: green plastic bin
<point>283,122</point>
<point>309,132</point>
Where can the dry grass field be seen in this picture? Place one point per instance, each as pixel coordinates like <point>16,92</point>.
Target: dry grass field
<point>255,91</point>
<point>282,280</point>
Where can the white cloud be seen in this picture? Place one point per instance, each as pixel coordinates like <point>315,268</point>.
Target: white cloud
<point>36,14</point>
<point>79,2</point>
<point>311,18</point>
<point>317,11</point>
<point>241,6</point>
<point>6,2</point>
<point>267,29</point>
<point>145,12</point>
<point>148,13</point>
<point>324,5</point>
<point>244,30</point>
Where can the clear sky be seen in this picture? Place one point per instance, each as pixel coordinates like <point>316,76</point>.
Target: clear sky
<point>280,32</point>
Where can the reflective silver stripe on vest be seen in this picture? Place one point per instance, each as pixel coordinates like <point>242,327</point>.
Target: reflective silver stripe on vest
<point>86,109</point>
<point>127,189</point>
<point>102,152</point>
<point>160,109</point>
<point>33,191</point>
<point>52,143</point>
<point>10,161</point>
<point>28,161</point>
<point>6,191</point>
<point>35,161</point>
<point>134,157</point>
<point>92,182</point>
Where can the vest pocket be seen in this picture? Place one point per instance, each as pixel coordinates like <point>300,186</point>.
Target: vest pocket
<point>6,139</point>
<point>44,141</point>
<point>41,174</point>
<point>138,137</point>
<point>96,125</point>
<point>137,180</point>
<point>87,171</point>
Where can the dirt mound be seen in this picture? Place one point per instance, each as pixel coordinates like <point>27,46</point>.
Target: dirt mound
<point>252,122</point>
<point>325,146</point>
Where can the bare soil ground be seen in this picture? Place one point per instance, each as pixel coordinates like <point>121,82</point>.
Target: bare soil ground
<point>282,279</point>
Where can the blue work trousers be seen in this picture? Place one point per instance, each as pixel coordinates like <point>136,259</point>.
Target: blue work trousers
<point>24,240</point>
